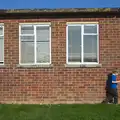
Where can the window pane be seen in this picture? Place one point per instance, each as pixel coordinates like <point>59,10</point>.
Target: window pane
<point>43,54</point>
<point>27,52</point>
<point>90,28</point>
<point>42,33</point>
<point>27,38</point>
<point>1,30</point>
<point>1,49</point>
<point>74,44</point>
<point>90,48</point>
<point>27,30</point>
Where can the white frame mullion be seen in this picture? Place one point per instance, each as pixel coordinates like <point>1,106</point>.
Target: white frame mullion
<point>82,43</point>
<point>35,46</point>
<point>50,43</point>
<point>98,43</point>
<point>67,44</point>
<point>3,43</point>
<point>19,44</point>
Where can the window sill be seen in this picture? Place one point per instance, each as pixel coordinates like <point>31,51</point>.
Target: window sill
<point>2,66</point>
<point>83,65</point>
<point>35,66</point>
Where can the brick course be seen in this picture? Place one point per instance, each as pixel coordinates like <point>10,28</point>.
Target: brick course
<point>58,84</point>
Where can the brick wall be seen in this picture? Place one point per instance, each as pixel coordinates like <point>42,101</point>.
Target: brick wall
<point>58,84</point>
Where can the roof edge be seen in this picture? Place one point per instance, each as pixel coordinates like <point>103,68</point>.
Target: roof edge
<point>60,10</point>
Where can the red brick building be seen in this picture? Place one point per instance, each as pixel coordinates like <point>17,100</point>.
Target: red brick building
<point>58,55</point>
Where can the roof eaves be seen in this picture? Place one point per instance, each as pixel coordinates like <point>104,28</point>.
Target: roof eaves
<point>61,10</point>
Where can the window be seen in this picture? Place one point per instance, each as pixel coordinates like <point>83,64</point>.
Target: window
<point>1,44</point>
<point>82,44</point>
<point>35,44</point>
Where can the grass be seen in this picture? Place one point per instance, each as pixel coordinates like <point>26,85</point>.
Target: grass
<point>60,112</point>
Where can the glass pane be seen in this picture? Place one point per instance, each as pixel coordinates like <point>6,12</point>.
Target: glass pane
<point>27,38</point>
<point>1,30</point>
<point>42,33</point>
<point>90,28</point>
<point>1,49</point>
<point>27,52</point>
<point>90,48</point>
<point>27,30</point>
<point>43,54</point>
<point>74,44</point>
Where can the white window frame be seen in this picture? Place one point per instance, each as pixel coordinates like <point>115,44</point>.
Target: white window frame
<point>82,51</point>
<point>2,25</point>
<point>35,25</point>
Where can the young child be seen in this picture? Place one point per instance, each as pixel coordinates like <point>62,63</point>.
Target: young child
<point>112,87</point>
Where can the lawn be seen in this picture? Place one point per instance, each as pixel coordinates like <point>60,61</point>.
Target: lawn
<point>60,112</point>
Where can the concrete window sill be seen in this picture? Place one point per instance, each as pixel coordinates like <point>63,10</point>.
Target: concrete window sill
<point>83,65</point>
<point>2,66</point>
<point>35,66</point>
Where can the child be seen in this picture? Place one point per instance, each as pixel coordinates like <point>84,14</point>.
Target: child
<point>112,87</point>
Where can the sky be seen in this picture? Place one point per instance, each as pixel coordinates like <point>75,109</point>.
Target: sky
<point>31,4</point>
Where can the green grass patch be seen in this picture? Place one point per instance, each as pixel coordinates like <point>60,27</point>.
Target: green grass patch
<point>60,112</point>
